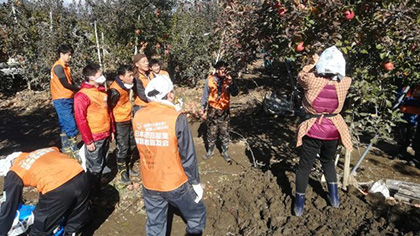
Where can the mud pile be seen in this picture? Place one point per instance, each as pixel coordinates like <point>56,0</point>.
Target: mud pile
<point>257,204</point>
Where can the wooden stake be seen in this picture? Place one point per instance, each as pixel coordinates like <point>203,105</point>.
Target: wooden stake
<point>346,170</point>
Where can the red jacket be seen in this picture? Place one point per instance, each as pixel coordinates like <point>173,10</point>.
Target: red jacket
<point>81,103</point>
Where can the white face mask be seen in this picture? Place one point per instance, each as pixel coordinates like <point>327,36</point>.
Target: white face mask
<point>100,80</point>
<point>128,86</point>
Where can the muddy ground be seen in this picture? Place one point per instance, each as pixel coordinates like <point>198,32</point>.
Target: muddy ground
<point>240,199</point>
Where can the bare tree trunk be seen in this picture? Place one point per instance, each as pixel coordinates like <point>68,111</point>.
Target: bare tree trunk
<point>136,43</point>
<point>14,13</point>
<point>51,21</point>
<point>97,45</point>
<point>103,50</point>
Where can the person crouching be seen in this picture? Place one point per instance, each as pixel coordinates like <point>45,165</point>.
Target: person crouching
<point>63,187</point>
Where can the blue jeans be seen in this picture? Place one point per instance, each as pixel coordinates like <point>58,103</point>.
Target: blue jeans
<point>156,204</point>
<point>65,112</point>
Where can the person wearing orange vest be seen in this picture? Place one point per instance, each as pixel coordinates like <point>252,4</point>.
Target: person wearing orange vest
<point>62,92</point>
<point>141,79</point>
<point>168,161</point>
<point>119,100</point>
<point>155,69</point>
<point>95,122</point>
<point>63,191</point>
<point>411,109</point>
<point>216,97</point>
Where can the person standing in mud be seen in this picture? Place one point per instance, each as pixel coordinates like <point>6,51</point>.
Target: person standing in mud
<point>216,98</point>
<point>168,160</point>
<point>322,126</point>
<point>410,133</point>
<point>141,79</point>
<point>155,69</point>
<point>62,92</point>
<point>95,122</point>
<point>119,101</point>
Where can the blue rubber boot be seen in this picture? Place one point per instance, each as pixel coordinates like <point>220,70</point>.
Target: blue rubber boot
<point>333,195</point>
<point>299,204</point>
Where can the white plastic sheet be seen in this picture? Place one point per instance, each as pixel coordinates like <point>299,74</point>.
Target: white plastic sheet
<point>82,156</point>
<point>6,163</point>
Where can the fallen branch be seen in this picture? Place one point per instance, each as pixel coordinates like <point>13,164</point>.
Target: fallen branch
<point>248,147</point>
<point>217,171</point>
<point>252,230</point>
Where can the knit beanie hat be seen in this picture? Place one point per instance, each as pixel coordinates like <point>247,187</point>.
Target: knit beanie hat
<point>138,57</point>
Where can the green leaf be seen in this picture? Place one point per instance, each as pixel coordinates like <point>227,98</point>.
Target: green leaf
<point>382,55</point>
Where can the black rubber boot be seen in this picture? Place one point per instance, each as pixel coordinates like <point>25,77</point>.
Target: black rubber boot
<point>74,149</point>
<point>225,154</point>
<point>209,153</point>
<point>123,174</point>
<point>133,172</point>
<point>65,144</point>
<point>124,177</point>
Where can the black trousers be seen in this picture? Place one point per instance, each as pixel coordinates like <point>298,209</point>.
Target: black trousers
<point>69,200</point>
<point>126,145</point>
<point>416,141</point>
<point>95,160</point>
<point>310,148</point>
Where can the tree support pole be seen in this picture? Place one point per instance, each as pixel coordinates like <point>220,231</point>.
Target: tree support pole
<point>346,170</point>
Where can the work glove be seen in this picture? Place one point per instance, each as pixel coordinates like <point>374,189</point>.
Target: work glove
<point>199,191</point>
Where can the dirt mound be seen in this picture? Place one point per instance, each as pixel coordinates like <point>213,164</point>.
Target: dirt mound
<point>255,204</point>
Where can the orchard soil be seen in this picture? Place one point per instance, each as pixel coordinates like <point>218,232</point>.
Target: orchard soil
<point>240,199</point>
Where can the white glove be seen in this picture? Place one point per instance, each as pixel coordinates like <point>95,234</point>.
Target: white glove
<point>179,105</point>
<point>199,191</point>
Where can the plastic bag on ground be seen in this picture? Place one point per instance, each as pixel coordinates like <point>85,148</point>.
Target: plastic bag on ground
<point>379,186</point>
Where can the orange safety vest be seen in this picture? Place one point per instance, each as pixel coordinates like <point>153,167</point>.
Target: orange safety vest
<point>154,131</point>
<point>122,110</point>
<point>57,89</point>
<point>214,101</point>
<point>97,111</point>
<point>45,169</point>
<point>412,94</point>
<point>161,72</point>
<point>145,81</point>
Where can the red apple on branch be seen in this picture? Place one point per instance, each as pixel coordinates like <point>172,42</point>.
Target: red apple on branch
<point>138,31</point>
<point>299,47</point>
<point>388,66</point>
<point>349,15</point>
<point>281,11</point>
